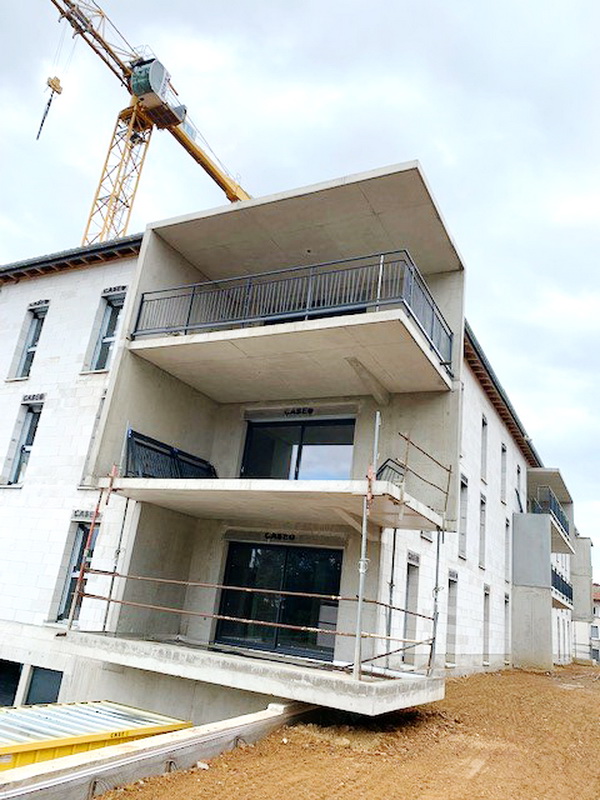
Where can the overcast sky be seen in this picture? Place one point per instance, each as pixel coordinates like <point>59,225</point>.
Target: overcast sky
<point>499,101</point>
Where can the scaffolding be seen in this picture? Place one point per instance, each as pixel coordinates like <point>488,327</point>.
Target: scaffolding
<point>386,644</point>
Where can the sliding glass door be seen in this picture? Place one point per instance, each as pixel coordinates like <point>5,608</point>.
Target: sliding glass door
<point>306,570</point>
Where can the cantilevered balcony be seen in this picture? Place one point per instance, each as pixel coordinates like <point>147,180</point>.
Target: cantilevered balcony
<point>546,502</point>
<point>340,328</point>
<point>562,590</point>
<point>156,473</point>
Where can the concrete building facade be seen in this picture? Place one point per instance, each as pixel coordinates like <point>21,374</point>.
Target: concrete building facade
<point>308,440</point>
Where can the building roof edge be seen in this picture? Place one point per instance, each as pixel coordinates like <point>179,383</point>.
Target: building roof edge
<point>73,258</point>
<point>488,379</point>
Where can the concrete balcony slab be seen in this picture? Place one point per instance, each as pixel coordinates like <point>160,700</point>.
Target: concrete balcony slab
<point>268,502</point>
<point>311,358</point>
<point>560,601</point>
<point>308,684</point>
<point>560,542</point>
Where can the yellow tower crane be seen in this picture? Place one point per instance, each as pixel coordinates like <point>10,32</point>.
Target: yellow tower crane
<point>154,103</point>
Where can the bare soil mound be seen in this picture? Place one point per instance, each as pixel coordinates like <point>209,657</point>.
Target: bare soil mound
<point>511,734</point>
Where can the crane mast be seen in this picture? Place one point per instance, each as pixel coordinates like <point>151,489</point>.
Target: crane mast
<point>154,104</point>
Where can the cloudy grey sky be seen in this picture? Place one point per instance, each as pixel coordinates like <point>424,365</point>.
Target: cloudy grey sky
<point>498,100</point>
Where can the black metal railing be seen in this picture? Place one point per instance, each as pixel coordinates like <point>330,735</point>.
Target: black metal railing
<point>299,293</point>
<point>148,458</point>
<point>562,586</point>
<point>546,502</point>
<point>393,471</point>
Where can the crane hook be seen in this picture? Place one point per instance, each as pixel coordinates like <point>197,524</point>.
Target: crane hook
<point>56,88</point>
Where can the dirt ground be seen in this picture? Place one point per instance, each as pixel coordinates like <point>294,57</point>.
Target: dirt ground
<point>510,734</point>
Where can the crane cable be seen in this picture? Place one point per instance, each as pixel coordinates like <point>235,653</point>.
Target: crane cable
<point>54,83</point>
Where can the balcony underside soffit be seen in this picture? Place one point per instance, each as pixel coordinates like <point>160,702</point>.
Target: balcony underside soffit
<point>272,502</point>
<point>313,358</point>
<point>384,210</point>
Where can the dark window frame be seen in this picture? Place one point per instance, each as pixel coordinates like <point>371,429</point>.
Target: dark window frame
<point>221,638</point>
<point>27,436</point>
<point>107,334</point>
<point>37,317</point>
<point>303,424</point>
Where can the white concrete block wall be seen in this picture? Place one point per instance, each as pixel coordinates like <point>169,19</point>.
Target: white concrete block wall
<point>35,518</point>
<point>471,577</point>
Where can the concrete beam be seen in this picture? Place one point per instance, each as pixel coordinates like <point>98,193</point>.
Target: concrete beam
<point>372,385</point>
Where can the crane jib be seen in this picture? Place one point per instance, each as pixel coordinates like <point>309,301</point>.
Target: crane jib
<point>155,104</point>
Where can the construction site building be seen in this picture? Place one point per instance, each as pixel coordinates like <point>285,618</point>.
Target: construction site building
<point>308,440</point>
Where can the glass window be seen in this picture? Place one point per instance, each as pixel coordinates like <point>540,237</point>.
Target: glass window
<point>74,568</point>
<point>462,522</point>
<point>507,550</point>
<point>484,446</point>
<point>10,673</point>
<point>503,457</point>
<point>316,450</point>
<point>37,317</point>
<point>30,425</point>
<point>482,531</point>
<point>44,686</point>
<point>108,331</point>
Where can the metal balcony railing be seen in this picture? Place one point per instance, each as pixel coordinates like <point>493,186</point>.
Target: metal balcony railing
<point>562,586</point>
<point>546,502</point>
<point>393,471</point>
<point>149,458</point>
<point>387,644</point>
<point>351,286</point>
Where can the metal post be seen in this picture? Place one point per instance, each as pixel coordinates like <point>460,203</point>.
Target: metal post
<point>363,563</point>
<point>391,586</point>
<point>246,311</point>
<point>115,566</point>
<point>138,317</point>
<point>189,311</point>
<point>379,281</point>
<point>84,564</point>
<point>436,592</point>
<point>309,292</point>
<point>86,550</point>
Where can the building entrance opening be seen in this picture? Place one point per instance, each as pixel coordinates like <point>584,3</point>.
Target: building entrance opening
<point>308,570</point>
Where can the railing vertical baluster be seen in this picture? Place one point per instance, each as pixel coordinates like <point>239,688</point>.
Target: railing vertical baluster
<point>379,281</point>
<point>138,318</point>
<point>189,311</point>
<point>246,313</point>
<point>309,291</point>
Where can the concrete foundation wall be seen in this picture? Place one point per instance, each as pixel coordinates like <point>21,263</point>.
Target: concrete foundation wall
<point>165,694</point>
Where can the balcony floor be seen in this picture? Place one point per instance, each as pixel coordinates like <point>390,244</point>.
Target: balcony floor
<point>308,684</point>
<point>268,502</point>
<point>302,359</point>
<point>560,601</point>
<point>560,542</point>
